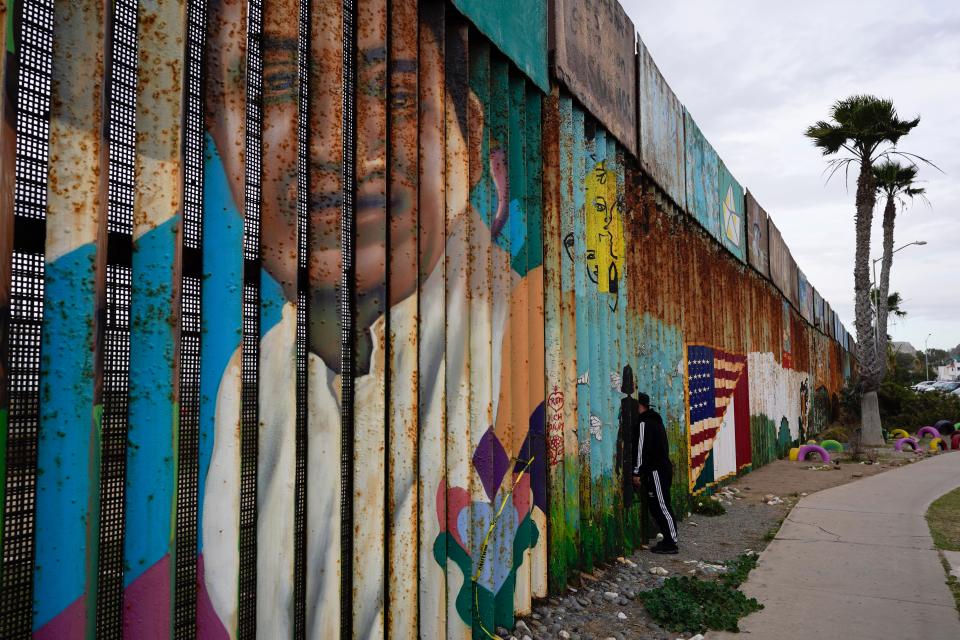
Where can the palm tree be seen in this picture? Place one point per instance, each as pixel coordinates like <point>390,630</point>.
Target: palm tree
<point>896,182</point>
<point>866,128</point>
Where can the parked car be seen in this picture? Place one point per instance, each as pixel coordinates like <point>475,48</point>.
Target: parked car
<point>946,387</point>
<point>955,392</point>
<point>922,386</point>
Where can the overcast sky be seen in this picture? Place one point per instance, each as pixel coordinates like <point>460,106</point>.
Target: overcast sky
<point>755,74</point>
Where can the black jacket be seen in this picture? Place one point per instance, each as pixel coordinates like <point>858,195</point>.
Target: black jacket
<point>648,449</point>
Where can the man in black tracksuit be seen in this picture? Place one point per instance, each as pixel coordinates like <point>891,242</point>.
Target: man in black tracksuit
<point>650,453</point>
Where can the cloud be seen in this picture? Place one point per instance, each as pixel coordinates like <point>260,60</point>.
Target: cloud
<point>756,74</point>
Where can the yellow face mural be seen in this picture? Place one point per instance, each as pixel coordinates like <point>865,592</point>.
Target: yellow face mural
<point>604,224</point>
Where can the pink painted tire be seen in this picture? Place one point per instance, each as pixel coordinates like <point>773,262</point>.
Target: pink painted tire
<point>927,430</point>
<point>955,441</point>
<point>812,448</point>
<point>902,441</point>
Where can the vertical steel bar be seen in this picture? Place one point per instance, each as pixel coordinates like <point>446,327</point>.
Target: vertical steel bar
<point>304,185</point>
<point>250,346</point>
<point>20,414</point>
<point>114,281</point>
<point>347,320</point>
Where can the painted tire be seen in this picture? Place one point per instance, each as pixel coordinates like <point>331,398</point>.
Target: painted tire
<point>832,445</point>
<point>955,441</point>
<point>899,433</point>
<point>945,427</point>
<point>793,453</point>
<point>902,441</point>
<point>927,430</point>
<point>807,449</point>
<point>937,444</point>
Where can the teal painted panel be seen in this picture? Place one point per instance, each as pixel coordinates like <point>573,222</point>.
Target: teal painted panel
<point>733,228</point>
<point>521,35</point>
<point>702,177</point>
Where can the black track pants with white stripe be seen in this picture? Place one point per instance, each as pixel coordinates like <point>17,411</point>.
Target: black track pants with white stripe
<point>657,484</point>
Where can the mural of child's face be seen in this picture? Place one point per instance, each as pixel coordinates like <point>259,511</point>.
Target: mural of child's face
<point>226,103</point>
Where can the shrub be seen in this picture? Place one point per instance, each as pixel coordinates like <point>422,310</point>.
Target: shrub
<point>689,604</point>
<point>706,507</point>
<point>903,408</point>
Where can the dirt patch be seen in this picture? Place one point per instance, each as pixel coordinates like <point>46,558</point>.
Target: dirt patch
<point>604,604</point>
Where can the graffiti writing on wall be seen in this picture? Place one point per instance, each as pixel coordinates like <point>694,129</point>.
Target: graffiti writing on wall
<point>555,403</point>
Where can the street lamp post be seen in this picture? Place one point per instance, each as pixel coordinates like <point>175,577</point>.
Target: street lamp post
<point>926,354</point>
<point>876,290</point>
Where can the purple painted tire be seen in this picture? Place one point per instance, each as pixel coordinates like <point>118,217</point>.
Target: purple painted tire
<point>902,441</point>
<point>812,448</point>
<point>927,430</point>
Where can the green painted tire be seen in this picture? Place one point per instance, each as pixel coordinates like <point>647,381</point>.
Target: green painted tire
<point>832,445</point>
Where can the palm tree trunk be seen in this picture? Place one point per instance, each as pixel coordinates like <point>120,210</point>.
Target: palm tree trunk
<point>883,287</point>
<point>871,434</point>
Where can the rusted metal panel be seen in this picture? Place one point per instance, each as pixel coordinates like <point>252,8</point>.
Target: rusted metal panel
<point>535,449</point>
<point>702,176</point>
<point>562,506</point>
<point>369,481</point>
<point>592,44</point>
<point>732,215</point>
<point>793,281</point>
<point>403,375</point>
<point>484,201</point>
<point>150,500</point>
<point>517,365</point>
<point>65,486</point>
<point>433,504</point>
<point>460,418</point>
<point>220,386</point>
<point>805,295</point>
<point>758,241</point>
<point>779,260</point>
<point>817,309</point>
<point>662,153</point>
<point>521,35</point>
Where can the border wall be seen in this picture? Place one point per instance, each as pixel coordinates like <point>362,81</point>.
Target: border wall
<point>314,315</point>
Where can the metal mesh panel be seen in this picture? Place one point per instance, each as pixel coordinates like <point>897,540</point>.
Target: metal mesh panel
<point>188,437</point>
<point>121,111</point>
<point>303,288</point>
<point>35,48</point>
<point>347,282</point>
<point>250,347</point>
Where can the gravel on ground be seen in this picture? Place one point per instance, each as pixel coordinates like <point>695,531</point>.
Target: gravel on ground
<point>603,604</point>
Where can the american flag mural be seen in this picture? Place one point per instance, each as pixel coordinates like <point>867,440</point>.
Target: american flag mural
<point>719,418</point>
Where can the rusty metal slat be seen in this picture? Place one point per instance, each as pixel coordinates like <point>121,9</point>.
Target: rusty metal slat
<point>431,275</point>
<point>403,375</point>
<point>370,308</point>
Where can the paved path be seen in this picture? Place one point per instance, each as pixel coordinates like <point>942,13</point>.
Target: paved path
<point>857,562</point>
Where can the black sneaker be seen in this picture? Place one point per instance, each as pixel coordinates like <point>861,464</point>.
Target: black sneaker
<point>665,549</point>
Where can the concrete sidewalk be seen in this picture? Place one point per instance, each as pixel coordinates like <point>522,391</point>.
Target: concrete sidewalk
<point>857,561</point>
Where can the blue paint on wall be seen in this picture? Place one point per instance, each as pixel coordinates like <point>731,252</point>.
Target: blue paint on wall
<point>66,419</point>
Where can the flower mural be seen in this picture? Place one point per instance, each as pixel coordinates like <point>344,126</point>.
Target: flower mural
<point>488,538</point>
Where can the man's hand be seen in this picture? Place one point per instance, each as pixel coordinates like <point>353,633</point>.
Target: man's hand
<point>636,481</point>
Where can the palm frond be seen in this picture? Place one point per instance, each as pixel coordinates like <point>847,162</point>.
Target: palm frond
<point>912,157</point>
<point>829,138</point>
